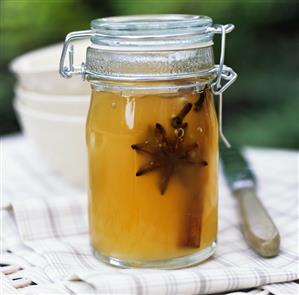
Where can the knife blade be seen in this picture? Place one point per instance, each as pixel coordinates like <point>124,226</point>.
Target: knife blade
<point>258,228</point>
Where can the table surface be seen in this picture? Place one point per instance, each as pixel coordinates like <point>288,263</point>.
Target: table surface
<point>25,173</point>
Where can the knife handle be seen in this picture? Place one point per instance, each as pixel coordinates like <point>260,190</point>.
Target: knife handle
<point>258,228</point>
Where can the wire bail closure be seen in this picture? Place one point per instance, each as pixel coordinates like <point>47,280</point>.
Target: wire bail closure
<point>68,72</point>
<point>224,73</point>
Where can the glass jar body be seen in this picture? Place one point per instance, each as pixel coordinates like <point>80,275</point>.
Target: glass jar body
<point>153,169</point>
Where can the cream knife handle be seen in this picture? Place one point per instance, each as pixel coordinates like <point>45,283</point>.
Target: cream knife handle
<point>258,228</point>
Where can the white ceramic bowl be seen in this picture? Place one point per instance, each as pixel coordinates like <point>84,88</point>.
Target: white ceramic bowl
<point>38,70</point>
<point>75,105</point>
<point>60,138</point>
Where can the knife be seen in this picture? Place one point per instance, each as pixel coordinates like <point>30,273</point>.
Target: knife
<point>259,230</point>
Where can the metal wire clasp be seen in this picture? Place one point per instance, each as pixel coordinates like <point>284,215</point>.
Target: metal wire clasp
<point>223,72</point>
<point>67,72</point>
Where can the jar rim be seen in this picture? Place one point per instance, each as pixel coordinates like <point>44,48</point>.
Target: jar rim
<point>149,22</point>
<point>152,32</point>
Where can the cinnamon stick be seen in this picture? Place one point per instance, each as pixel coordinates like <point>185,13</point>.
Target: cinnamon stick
<point>193,229</point>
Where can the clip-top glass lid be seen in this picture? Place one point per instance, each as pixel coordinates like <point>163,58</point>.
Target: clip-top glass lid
<point>151,22</point>
<point>149,48</point>
<point>152,32</point>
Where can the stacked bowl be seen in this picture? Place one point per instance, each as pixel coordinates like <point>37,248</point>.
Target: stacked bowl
<point>52,111</point>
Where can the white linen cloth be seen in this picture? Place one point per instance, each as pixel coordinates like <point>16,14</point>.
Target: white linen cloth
<point>45,235</point>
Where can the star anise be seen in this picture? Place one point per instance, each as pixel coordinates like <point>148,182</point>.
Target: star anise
<point>169,155</point>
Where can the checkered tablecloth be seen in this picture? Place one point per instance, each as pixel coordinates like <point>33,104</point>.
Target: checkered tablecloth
<point>45,245</point>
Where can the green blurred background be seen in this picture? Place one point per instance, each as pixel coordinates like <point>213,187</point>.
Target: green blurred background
<point>260,109</point>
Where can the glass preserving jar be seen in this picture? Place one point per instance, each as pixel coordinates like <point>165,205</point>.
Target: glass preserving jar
<point>152,137</point>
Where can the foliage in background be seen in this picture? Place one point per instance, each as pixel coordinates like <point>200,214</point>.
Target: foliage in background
<point>27,25</point>
<point>261,108</point>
